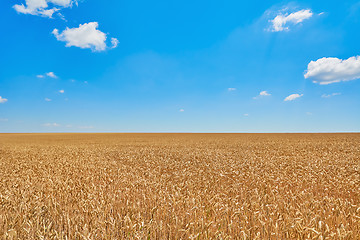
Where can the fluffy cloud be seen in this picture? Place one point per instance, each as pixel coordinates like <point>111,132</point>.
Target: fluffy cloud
<point>85,36</point>
<point>330,95</point>
<point>331,70</point>
<point>3,100</point>
<point>281,21</point>
<point>49,74</point>
<point>292,97</point>
<point>181,110</point>
<point>262,94</point>
<point>231,89</point>
<point>48,99</point>
<point>61,91</point>
<point>246,114</point>
<point>41,7</point>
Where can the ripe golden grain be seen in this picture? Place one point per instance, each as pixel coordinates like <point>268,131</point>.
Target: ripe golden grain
<point>180,186</point>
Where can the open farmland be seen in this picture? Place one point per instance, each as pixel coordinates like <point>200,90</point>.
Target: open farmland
<point>180,186</point>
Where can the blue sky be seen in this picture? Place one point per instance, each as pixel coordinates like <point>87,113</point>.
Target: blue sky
<point>179,66</point>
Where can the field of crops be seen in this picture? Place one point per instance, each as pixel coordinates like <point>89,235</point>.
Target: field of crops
<point>180,186</point>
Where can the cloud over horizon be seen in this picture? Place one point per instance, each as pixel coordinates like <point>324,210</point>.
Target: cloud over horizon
<point>85,36</point>
<point>329,70</point>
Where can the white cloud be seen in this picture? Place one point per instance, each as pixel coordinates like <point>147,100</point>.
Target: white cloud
<point>51,125</point>
<point>62,17</point>
<point>48,99</point>
<point>330,70</point>
<point>85,36</point>
<point>51,74</point>
<point>246,115</point>
<point>61,91</point>
<point>114,42</point>
<point>181,110</point>
<point>282,20</point>
<point>3,100</point>
<point>292,97</point>
<point>41,7</point>
<point>262,94</point>
<point>231,89</point>
<point>330,95</point>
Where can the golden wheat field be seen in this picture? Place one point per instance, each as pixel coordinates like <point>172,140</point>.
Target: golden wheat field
<point>180,186</point>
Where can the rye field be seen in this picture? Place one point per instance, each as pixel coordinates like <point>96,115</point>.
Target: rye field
<point>180,186</point>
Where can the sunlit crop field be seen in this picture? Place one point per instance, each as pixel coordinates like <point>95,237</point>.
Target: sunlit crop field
<point>180,186</point>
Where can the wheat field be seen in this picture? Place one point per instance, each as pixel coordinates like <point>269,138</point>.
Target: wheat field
<point>180,186</point>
